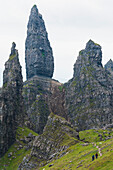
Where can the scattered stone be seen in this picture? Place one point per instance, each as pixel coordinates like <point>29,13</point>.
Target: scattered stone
<point>30,135</point>
<point>79,166</point>
<point>81,161</point>
<point>51,165</point>
<point>20,146</point>
<point>85,144</point>
<point>10,154</point>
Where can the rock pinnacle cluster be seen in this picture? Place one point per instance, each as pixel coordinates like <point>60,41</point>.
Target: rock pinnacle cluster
<point>38,52</point>
<point>43,120</point>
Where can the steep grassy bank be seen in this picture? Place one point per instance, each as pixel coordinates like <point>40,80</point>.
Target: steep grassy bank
<point>18,150</point>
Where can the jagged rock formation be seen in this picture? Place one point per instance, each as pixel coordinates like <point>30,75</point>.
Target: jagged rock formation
<point>11,101</point>
<point>89,97</point>
<point>57,136</point>
<point>109,66</point>
<point>41,94</point>
<point>41,97</point>
<point>53,110</point>
<point>38,53</point>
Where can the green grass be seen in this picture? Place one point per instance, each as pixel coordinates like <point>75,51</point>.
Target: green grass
<point>79,156</point>
<point>43,54</point>
<point>95,135</point>
<point>22,132</point>
<point>12,56</point>
<point>75,156</point>
<point>5,85</point>
<point>17,154</point>
<point>61,88</point>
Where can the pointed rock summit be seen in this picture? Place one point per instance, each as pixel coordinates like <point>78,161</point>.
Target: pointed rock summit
<point>109,66</point>
<point>89,100</point>
<point>11,101</point>
<point>91,55</point>
<point>12,67</point>
<point>38,52</point>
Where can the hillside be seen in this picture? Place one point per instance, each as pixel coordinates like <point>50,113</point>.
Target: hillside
<point>79,156</point>
<point>76,156</point>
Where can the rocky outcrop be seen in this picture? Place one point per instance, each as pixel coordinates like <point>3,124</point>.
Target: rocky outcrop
<point>57,136</point>
<point>41,97</point>
<point>109,66</point>
<point>38,52</point>
<point>89,97</point>
<point>11,105</point>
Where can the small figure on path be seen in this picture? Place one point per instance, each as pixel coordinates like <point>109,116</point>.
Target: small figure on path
<point>93,157</point>
<point>96,155</point>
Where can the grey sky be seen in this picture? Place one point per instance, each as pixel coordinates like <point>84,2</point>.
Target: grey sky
<point>70,24</point>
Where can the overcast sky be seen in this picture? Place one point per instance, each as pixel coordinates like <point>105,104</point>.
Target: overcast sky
<point>70,24</point>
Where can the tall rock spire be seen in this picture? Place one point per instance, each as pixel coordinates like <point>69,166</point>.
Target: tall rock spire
<point>38,52</point>
<point>11,101</point>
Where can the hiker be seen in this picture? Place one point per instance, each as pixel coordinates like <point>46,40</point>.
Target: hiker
<point>93,157</point>
<point>96,155</point>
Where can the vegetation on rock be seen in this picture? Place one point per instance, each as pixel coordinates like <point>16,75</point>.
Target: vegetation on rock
<point>15,154</point>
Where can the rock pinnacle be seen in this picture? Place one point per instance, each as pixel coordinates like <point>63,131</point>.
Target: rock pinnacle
<point>38,52</point>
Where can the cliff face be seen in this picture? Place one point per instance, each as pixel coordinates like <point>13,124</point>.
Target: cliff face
<point>41,97</point>
<point>89,97</point>
<point>38,54</point>
<point>11,101</point>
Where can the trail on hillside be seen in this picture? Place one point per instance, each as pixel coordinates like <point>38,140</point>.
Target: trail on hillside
<point>99,149</point>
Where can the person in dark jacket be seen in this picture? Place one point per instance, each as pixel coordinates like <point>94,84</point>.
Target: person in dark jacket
<point>93,157</point>
<point>96,155</point>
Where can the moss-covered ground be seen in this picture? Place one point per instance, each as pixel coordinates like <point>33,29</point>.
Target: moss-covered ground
<point>17,151</point>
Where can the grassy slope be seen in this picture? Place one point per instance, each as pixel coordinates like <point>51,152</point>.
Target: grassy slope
<point>77,156</point>
<point>17,155</point>
<point>80,157</point>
